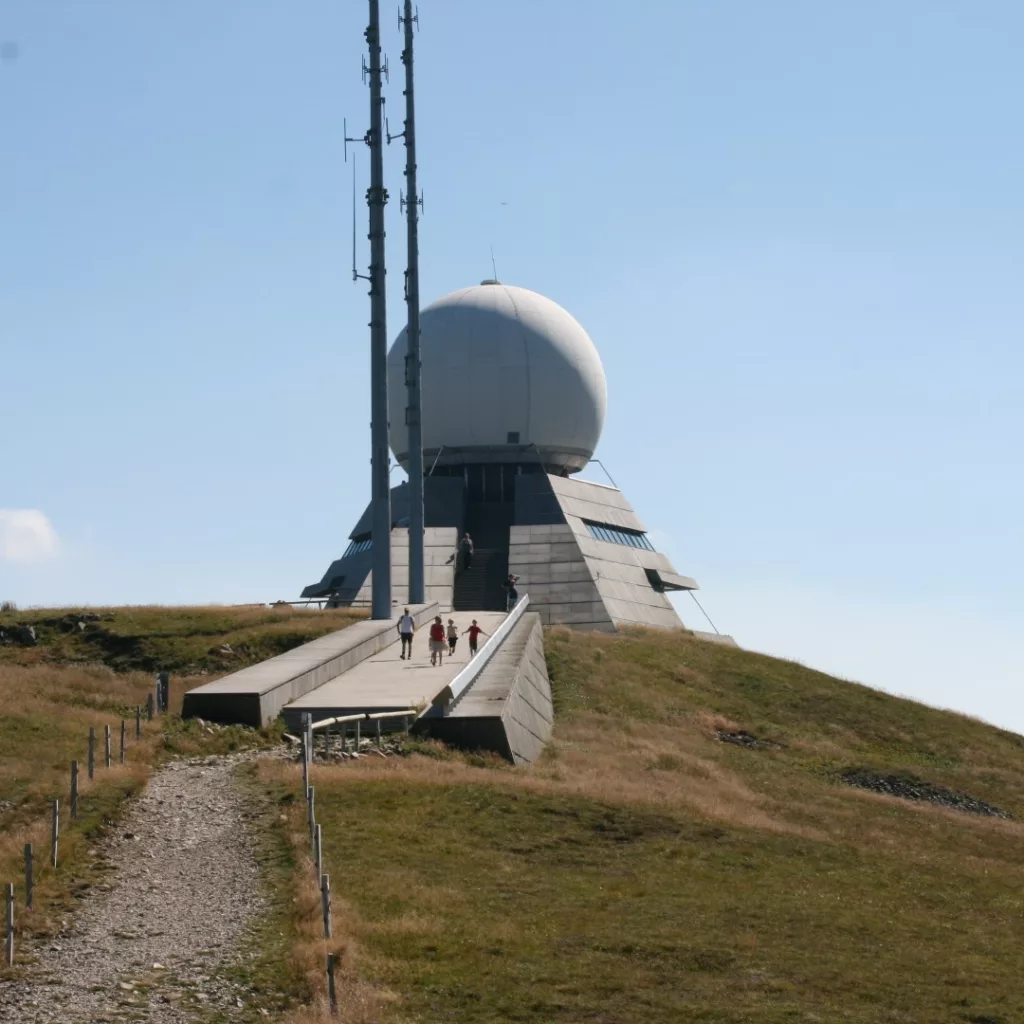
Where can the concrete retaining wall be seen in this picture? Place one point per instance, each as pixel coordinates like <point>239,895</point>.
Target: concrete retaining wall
<point>508,708</point>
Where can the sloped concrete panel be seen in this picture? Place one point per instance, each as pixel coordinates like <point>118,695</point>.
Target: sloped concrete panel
<point>508,709</point>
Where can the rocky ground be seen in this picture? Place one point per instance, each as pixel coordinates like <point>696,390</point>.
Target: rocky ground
<point>155,941</point>
<point>909,787</point>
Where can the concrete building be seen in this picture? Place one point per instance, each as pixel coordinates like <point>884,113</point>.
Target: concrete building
<point>514,398</point>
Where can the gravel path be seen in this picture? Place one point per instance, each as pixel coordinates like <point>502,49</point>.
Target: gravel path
<point>149,942</point>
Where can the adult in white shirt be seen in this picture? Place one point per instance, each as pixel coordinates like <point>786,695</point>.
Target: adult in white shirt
<point>406,628</point>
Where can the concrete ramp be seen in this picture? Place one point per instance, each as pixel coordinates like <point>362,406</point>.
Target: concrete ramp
<point>386,682</point>
<point>255,695</point>
<point>507,708</point>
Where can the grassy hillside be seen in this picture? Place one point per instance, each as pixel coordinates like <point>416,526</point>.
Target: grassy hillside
<point>656,866</point>
<point>183,640</point>
<point>689,848</point>
<point>96,675</point>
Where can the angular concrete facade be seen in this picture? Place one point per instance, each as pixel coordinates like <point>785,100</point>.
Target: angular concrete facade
<point>576,578</point>
<point>579,548</point>
<point>350,578</point>
<point>508,708</point>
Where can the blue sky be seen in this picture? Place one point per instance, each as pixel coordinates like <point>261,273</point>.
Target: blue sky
<point>794,230</point>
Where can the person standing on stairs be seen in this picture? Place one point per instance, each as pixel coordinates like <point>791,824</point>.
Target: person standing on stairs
<point>512,593</point>
<point>406,628</point>
<point>437,641</point>
<point>466,547</point>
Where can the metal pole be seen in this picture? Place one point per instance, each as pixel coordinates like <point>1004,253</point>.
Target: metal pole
<point>376,198</point>
<point>124,739</point>
<point>413,419</point>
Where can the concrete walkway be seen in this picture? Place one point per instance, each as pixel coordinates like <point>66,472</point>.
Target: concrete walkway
<point>386,683</point>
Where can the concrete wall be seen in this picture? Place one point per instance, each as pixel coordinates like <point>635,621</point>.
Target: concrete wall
<point>255,695</point>
<point>508,708</point>
<point>444,506</point>
<point>573,578</point>
<point>528,716</point>
<point>552,570</point>
<point>439,548</point>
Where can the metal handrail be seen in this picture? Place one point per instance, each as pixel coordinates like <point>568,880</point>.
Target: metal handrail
<point>465,679</point>
<point>362,716</point>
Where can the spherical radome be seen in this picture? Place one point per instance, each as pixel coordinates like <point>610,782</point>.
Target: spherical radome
<point>507,375</point>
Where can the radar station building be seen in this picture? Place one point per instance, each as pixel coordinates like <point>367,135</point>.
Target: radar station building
<point>513,403</point>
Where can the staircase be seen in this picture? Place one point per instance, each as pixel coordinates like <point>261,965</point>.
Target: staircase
<point>479,588</point>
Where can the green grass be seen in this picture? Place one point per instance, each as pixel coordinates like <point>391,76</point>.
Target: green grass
<point>645,871</point>
<point>181,640</point>
<point>641,871</point>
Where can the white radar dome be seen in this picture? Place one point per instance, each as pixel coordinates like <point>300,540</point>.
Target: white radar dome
<point>507,376</point>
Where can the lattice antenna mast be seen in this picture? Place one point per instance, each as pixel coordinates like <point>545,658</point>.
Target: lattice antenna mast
<point>412,203</point>
<point>376,199</point>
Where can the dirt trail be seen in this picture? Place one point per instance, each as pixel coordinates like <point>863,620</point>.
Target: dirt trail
<point>150,943</point>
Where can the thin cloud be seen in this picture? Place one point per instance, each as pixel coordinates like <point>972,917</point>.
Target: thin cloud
<point>26,535</point>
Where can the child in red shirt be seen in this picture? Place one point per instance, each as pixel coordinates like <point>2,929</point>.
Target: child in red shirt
<point>474,632</point>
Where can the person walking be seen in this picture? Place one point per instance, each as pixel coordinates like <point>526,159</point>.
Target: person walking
<point>406,628</point>
<point>473,633</point>
<point>437,642</point>
<point>453,638</point>
<point>466,547</point>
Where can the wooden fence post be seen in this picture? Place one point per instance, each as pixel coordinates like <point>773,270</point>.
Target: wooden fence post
<point>138,721</point>
<point>325,905</point>
<point>92,752</point>
<point>123,739</point>
<point>311,811</point>
<point>28,876</point>
<point>149,707</point>
<point>74,789</point>
<point>344,736</point>
<point>106,744</point>
<point>332,995</point>
<point>305,765</point>
<point>356,747</point>
<point>318,848</point>
<point>55,832</point>
<point>378,735</point>
<point>10,924</point>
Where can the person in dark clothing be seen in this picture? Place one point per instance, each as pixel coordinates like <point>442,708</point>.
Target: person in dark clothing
<point>466,547</point>
<point>513,594</point>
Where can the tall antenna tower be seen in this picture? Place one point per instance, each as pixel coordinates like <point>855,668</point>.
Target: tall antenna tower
<point>376,199</point>
<point>412,202</point>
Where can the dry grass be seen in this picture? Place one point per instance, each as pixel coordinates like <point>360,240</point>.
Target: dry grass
<point>182,640</point>
<point>645,871</point>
